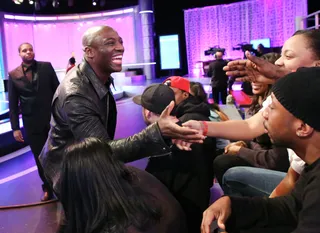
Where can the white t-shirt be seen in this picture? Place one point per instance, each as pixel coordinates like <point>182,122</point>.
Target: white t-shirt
<point>296,163</point>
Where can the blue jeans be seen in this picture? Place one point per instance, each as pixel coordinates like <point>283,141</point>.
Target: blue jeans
<point>250,181</point>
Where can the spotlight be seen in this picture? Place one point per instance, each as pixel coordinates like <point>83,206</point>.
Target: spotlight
<point>31,2</point>
<point>18,2</point>
<point>94,3</point>
<point>55,3</point>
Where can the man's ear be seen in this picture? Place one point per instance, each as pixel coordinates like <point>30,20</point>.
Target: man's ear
<point>89,52</point>
<point>304,130</point>
<point>147,113</point>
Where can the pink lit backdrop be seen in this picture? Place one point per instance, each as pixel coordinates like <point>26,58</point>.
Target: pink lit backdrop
<point>229,25</point>
<point>57,41</point>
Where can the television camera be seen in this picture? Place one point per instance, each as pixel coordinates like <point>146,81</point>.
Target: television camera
<point>213,50</point>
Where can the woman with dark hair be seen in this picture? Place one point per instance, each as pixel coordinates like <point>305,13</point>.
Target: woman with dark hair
<point>101,194</point>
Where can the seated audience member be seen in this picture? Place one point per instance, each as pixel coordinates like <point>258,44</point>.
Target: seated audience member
<point>292,121</point>
<point>100,194</point>
<point>259,152</point>
<point>83,106</point>
<point>300,50</point>
<point>72,63</point>
<point>185,173</point>
<point>216,114</point>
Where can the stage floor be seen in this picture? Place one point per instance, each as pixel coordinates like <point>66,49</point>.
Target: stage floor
<point>20,183</point>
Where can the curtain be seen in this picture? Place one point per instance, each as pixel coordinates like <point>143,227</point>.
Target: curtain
<point>57,41</point>
<point>228,25</point>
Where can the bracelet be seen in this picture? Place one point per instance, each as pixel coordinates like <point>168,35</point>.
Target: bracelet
<point>204,125</point>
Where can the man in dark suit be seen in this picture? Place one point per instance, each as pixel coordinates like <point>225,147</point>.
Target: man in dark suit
<point>219,79</point>
<point>31,87</point>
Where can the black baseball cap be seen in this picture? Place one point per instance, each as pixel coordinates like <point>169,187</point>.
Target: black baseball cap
<point>155,98</point>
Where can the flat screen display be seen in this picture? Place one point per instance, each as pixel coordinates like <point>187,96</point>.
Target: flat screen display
<point>169,52</point>
<point>265,42</point>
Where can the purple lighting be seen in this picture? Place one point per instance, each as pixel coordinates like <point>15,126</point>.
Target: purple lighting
<point>229,25</point>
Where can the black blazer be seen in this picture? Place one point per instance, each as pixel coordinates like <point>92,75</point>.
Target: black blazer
<point>33,97</point>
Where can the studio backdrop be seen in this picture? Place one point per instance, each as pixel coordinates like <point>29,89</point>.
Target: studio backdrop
<point>228,25</point>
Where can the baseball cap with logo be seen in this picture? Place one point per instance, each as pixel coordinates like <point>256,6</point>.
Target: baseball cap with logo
<point>178,82</point>
<point>155,98</point>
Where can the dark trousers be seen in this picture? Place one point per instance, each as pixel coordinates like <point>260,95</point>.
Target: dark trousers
<point>219,91</point>
<point>190,191</point>
<point>36,142</point>
<point>224,162</point>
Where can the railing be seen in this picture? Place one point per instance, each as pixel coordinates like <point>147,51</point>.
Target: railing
<point>301,22</point>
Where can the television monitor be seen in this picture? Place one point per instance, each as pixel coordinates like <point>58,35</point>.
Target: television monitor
<point>265,42</point>
<point>169,52</point>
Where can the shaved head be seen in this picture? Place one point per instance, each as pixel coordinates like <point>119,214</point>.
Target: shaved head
<point>93,35</point>
<point>103,50</point>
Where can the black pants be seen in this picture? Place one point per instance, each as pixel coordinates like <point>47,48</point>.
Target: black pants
<point>224,162</point>
<point>190,190</point>
<point>219,91</point>
<point>36,142</point>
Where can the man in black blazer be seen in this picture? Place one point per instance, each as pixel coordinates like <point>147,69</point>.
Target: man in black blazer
<point>31,88</point>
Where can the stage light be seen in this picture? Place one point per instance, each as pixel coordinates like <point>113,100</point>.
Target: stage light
<point>55,3</point>
<point>31,2</point>
<point>18,2</point>
<point>94,3</point>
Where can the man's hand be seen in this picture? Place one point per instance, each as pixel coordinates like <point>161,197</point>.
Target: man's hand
<point>169,128</point>
<point>233,148</point>
<point>192,124</point>
<point>255,69</point>
<point>220,210</point>
<point>18,136</point>
<point>182,145</point>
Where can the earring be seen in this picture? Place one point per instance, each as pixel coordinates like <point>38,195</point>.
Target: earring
<point>299,134</point>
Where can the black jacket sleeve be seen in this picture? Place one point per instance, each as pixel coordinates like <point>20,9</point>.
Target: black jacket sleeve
<point>274,158</point>
<point>84,122</point>
<point>258,212</point>
<point>54,79</point>
<point>13,105</point>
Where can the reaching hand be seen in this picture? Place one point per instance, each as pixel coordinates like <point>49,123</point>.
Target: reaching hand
<point>169,128</point>
<point>18,136</point>
<point>255,69</point>
<point>220,210</point>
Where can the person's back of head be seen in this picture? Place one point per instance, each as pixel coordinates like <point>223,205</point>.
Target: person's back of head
<point>72,61</point>
<point>97,192</point>
<point>197,90</point>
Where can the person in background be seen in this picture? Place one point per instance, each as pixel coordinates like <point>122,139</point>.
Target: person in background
<point>100,194</point>
<point>291,121</point>
<point>31,87</point>
<point>219,79</point>
<point>71,64</point>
